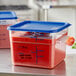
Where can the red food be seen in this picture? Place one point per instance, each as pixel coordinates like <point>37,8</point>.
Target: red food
<point>38,52</point>
<point>70,41</point>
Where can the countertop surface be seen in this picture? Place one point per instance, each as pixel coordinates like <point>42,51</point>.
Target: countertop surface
<point>65,68</point>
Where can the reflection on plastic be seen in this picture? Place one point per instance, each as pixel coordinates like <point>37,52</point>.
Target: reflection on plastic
<point>4,37</point>
<point>58,70</point>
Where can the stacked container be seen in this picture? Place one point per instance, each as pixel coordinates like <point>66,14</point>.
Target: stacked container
<point>7,18</point>
<point>38,44</point>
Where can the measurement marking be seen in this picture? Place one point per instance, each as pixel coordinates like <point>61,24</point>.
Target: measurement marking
<point>40,50</point>
<point>36,56</point>
<point>21,53</point>
<point>36,51</point>
<point>40,56</point>
<point>33,52</point>
<point>40,39</point>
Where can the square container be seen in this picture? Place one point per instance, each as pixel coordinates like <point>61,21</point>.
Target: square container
<point>38,44</point>
<point>7,18</point>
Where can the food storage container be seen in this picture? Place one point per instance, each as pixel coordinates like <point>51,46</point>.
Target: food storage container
<point>7,18</point>
<point>38,44</point>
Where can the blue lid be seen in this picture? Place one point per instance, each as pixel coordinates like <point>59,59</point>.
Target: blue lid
<point>4,15</point>
<point>39,26</point>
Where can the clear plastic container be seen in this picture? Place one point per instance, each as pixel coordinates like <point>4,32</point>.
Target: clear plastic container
<point>7,18</point>
<point>38,44</point>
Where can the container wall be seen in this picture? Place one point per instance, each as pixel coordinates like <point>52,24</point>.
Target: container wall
<point>4,33</point>
<point>59,49</point>
<point>36,49</point>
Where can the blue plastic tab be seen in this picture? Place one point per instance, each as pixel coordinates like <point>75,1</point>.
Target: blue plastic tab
<point>4,15</point>
<point>39,26</point>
